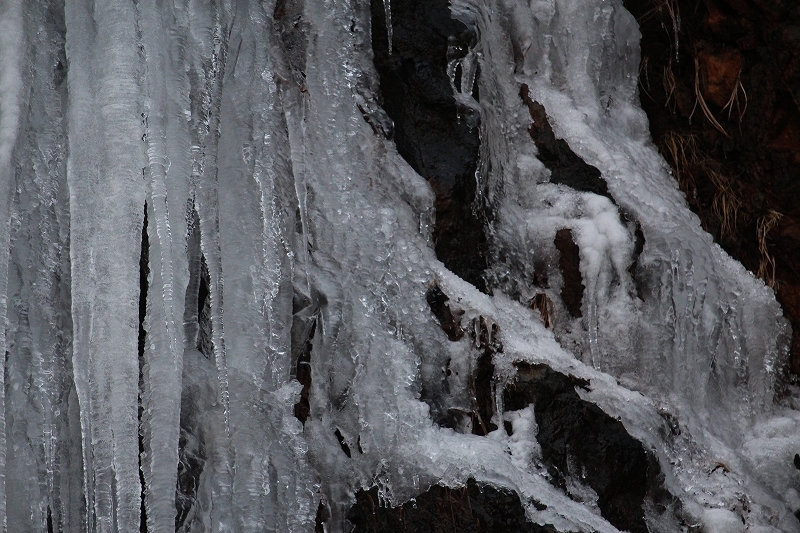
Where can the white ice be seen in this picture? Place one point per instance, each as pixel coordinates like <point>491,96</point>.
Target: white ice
<point>199,111</point>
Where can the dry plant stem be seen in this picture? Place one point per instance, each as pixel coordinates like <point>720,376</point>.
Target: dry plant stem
<point>699,100</point>
<point>726,203</point>
<point>644,77</point>
<point>669,84</point>
<point>675,15</point>
<point>735,99</point>
<point>766,268</point>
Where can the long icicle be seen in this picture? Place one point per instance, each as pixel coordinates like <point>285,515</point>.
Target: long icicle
<point>220,462</point>
<point>10,87</point>
<point>163,351</point>
<point>106,195</point>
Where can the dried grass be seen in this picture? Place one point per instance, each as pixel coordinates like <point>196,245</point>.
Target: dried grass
<point>669,85</point>
<point>766,267</point>
<point>726,203</point>
<point>683,150</point>
<point>688,163</point>
<point>674,13</point>
<point>701,101</point>
<point>734,99</point>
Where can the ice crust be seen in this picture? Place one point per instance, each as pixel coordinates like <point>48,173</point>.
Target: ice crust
<point>209,117</point>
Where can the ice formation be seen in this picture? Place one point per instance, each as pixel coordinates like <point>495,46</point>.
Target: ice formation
<point>221,149</point>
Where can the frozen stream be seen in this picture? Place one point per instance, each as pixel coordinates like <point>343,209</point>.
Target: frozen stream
<point>201,207</point>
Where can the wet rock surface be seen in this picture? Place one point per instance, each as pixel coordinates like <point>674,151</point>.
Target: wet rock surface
<point>471,509</point>
<point>720,83</point>
<point>430,130</point>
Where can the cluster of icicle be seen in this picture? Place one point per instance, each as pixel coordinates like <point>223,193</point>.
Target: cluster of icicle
<point>253,160</point>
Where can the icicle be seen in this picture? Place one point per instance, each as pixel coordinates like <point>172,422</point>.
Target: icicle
<point>293,107</point>
<point>105,181</point>
<point>166,140</point>
<point>387,8</point>
<point>11,46</point>
<point>38,325</point>
<point>212,35</point>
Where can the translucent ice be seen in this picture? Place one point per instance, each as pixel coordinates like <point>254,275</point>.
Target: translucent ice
<point>290,354</point>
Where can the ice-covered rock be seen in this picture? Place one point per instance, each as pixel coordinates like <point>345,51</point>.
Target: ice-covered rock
<point>218,280</point>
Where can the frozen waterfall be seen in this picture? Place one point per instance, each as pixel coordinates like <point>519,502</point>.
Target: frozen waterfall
<point>224,311</point>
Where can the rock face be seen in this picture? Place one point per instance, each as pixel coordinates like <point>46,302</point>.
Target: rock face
<point>470,509</point>
<point>720,82</point>
<point>435,135</point>
<point>581,444</point>
<point>564,165</point>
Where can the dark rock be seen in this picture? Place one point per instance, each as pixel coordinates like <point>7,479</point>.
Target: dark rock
<point>449,322</point>
<point>205,343</point>
<point>720,70</point>
<point>633,269</point>
<point>302,335</point>
<point>487,341</point>
<point>343,443</point>
<point>569,262</point>
<point>544,305</point>
<point>582,442</point>
<point>144,274</point>
<point>431,131</point>
<point>565,166</point>
<point>323,515</point>
<point>471,509</point>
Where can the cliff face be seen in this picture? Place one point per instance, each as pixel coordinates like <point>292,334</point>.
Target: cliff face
<point>289,266</point>
<point>720,83</point>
